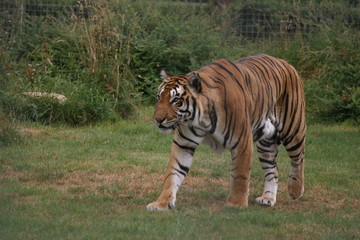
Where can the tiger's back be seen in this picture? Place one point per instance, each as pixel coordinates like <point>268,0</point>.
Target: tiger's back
<point>261,87</point>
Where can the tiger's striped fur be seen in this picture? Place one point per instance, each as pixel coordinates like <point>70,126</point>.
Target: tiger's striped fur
<point>230,105</point>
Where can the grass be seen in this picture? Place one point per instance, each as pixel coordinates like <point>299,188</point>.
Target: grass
<point>93,182</point>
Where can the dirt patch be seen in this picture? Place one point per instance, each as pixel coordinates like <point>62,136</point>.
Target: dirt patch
<point>133,185</point>
<point>31,132</point>
<point>10,173</point>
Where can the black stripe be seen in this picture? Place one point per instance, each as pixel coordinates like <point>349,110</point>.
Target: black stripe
<point>230,74</point>
<point>232,131</point>
<point>213,119</point>
<point>284,114</point>
<point>207,84</point>
<point>288,139</point>
<point>186,138</point>
<point>235,145</point>
<point>179,171</point>
<point>194,108</point>
<point>258,134</point>
<point>265,143</point>
<point>262,150</point>
<point>192,129</point>
<point>240,137</point>
<point>267,161</point>
<point>265,168</point>
<point>221,82</point>
<point>295,147</point>
<point>295,156</point>
<point>290,127</point>
<point>296,163</point>
<point>182,167</point>
<point>272,179</point>
<point>226,137</point>
<point>191,149</point>
<point>268,174</point>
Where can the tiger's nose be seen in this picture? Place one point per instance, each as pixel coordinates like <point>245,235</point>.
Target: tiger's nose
<point>159,120</point>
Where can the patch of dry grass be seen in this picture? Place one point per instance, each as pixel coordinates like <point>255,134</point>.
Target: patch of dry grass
<point>90,170</point>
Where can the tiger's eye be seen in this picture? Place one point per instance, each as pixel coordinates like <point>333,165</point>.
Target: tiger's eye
<point>175,100</point>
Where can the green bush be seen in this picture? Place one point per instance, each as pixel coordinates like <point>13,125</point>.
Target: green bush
<point>81,58</point>
<point>177,37</point>
<point>83,105</point>
<point>106,57</point>
<point>328,63</point>
<point>332,74</point>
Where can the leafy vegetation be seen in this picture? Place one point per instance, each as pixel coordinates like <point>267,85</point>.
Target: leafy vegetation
<point>105,56</point>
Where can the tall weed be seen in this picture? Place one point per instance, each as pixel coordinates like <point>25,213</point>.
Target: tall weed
<point>106,56</point>
<point>82,58</point>
<point>9,134</point>
<point>332,74</point>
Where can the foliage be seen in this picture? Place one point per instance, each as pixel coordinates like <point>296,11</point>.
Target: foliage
<point>332,75</point>
<point>327,60</point>
<point>110,53</point>
<point>176,37</point>
<point>75,58</point>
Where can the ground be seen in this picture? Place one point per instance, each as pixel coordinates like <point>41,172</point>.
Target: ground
<point>94,182</point>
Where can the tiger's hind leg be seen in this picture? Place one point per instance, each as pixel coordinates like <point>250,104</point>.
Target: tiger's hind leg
<point>267,148</point>
<point>295,149</point>
<point>293,139</point>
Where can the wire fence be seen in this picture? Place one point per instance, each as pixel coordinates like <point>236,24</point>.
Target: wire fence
<point>16,15</point>
<point>249,21</point>
<point>254,22</point>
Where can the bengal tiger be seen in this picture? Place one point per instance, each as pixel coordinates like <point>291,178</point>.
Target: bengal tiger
<point>230,105</point>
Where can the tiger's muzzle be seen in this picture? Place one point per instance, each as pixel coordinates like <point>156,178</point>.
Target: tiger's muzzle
<point>165,125</point>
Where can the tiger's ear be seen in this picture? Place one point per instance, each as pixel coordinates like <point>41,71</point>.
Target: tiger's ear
<point>194,81</point>
<point>164,74</point>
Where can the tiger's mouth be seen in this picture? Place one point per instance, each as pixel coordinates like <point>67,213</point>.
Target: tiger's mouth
<point>167,129</point>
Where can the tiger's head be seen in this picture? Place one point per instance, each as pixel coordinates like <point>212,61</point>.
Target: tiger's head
<point>176,101</point>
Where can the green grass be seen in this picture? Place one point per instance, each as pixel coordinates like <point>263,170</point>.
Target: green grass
<point>94,182</point>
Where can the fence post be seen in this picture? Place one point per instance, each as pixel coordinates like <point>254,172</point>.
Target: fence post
<point>21,17</point>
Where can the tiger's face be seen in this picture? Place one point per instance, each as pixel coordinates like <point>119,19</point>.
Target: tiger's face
<point>175,103</point>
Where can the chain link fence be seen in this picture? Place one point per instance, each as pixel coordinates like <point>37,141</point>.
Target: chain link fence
<point>114,58</point>
<point>16,15</point>
<point>251,21</point>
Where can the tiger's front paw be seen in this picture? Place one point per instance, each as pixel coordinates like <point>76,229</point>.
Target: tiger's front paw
<point>266,201</point>
<point>160,206</point>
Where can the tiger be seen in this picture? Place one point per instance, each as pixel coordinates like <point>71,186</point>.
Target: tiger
<point>232,105</point>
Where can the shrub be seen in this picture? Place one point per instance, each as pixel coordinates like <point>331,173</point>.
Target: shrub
<point>81,58</point>
<point>328,63</point>
<point>83,105</point>
<point>106,56</point>
<point>332,74</point>
<point>177,37</point>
